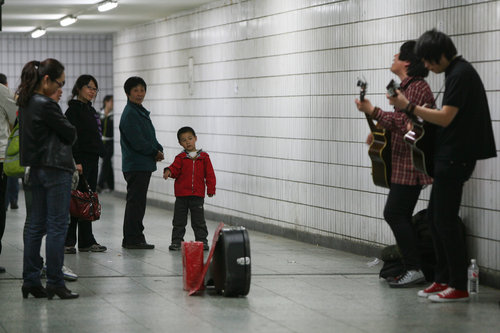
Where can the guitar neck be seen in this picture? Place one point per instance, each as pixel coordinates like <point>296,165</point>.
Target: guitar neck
<point>373,127</point>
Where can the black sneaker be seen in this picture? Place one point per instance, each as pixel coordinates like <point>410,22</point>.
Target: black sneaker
<point>174,247</point>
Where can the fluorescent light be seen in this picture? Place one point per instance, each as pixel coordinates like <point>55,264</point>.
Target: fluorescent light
<point>107,5</point>
<point>68,20</point>
<point>39,32</point>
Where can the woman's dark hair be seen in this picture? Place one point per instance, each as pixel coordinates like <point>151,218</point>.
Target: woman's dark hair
<point>133,82</point>
<point>432,44</point>
<point>106,99</point>
<point>3,79</point>
<point>33,72</point>
<point>407,53</point>
<point>183,130</point>
<point>82,80</point>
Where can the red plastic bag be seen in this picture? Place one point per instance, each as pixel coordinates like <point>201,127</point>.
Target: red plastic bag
<point>192,263</point>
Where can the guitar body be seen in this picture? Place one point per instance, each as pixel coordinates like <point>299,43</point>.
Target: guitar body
<point>380,155</point>
<point>421,139</point>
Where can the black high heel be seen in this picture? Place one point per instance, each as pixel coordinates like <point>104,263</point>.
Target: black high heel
<point>36,291</point>
<point>61,291</point>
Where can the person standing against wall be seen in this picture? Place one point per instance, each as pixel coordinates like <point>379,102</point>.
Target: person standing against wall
<point>8,110</point>
<point>140,152</point>
<point>106,177</point>
<point>464,136</point>
<point>406,181</point>
<point>86,151</point>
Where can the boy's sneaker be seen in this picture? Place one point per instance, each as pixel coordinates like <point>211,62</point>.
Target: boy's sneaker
<point>450,295</point>
<point>68,274</point>
<point>174,247</point>
<point>433,289</point>
<point>408,279</point>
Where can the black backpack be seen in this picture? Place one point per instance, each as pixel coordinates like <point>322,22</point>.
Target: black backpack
<point>393,261</point>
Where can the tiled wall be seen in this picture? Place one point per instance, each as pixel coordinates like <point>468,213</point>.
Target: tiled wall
<point>80,54</point>
<point>271,99</point>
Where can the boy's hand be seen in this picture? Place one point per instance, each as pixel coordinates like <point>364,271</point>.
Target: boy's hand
<point>166,173</point>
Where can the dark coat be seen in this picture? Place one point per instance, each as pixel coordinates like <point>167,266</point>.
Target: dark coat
<point>45,135</point>
<point>138,139</point>
<point>84,117</point>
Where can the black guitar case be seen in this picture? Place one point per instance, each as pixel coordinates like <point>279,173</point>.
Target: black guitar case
<point>231,265</point>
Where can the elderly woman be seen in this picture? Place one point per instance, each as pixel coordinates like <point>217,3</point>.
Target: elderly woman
<point>46,137</point>
<point>140,152</point>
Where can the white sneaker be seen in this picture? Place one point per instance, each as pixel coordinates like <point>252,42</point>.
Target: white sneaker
<point>69,275</point>
<point>408,279</point>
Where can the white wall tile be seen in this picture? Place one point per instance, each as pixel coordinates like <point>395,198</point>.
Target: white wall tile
<point>272,102</point>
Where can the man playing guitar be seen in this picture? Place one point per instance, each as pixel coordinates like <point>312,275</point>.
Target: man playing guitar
<point>465,136</point>
<point>406,181</point>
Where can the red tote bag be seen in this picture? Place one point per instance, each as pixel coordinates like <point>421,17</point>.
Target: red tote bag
<point>85,204</point>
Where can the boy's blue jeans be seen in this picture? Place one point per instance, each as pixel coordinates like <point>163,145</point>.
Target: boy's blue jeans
<point>51,191</point>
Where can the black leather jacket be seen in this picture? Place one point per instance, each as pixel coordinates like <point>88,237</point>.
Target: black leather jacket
<point>45,135</point>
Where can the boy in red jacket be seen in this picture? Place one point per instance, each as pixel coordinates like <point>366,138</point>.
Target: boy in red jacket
<point>191,169</point>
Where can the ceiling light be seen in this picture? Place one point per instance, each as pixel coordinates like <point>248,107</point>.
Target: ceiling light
<point>39,32</point>
<point>107,5</point>
<point>68,20</point>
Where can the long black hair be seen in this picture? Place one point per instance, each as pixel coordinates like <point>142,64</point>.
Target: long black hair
<point>407,53</point>
<point>31,75</point>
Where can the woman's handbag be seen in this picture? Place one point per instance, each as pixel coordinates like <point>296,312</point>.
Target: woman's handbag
<point>85,204</point>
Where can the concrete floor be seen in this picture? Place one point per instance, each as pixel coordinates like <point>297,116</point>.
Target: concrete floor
<point>296,287</point>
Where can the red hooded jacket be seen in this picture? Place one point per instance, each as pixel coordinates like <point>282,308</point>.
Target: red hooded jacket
<point>191,175</point>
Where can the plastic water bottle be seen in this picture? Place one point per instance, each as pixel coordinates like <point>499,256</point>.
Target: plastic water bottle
<point>473,277</point>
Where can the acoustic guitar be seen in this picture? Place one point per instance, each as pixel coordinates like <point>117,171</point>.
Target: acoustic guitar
<point>380,148</point>
<point>420,138</point>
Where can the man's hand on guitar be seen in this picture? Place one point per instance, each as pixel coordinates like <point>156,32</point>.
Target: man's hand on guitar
<point>399,101</point>
<point>365,106</point>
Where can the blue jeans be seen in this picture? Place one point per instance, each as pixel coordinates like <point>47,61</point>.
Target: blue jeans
<point>51,191</point>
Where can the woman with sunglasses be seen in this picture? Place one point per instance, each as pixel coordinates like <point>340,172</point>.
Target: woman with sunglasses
<point>46,138</point>
<point>86,151</point>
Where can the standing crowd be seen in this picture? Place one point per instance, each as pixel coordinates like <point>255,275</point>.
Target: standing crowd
<point>60,152</point>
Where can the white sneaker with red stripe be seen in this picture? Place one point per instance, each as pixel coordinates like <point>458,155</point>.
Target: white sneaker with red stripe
<point>433,289</point>
<point>450,295</point>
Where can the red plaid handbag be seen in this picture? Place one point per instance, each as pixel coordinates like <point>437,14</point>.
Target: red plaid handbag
<point>85,204</point>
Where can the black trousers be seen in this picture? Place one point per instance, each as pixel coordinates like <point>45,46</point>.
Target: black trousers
<point>137,190</point>
<point>398,213</point>
<point>85,236</point>
<point>444,205</point>
<point>195,206</point>
<point>3,189</point>
<point>106,177</point>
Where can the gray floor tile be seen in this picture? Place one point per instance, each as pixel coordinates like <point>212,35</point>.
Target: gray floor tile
<point>296,287</point>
